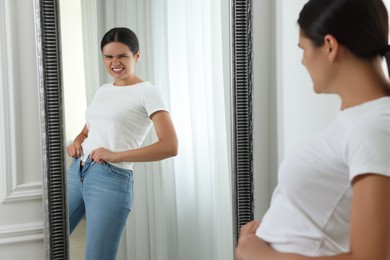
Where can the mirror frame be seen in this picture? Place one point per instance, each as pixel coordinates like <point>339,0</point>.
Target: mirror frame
<point>52,129</point>
<point>242,115</point>
<point>52,122</point>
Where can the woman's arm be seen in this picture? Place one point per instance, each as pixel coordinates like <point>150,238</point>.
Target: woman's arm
<point>165,147</point>
<point>370,227</point>
<point>75,148</point>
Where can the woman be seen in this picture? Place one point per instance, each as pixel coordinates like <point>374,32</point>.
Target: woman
<point>100,179</point>
<point>333,196</point>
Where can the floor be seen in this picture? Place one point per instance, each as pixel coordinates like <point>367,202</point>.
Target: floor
<point>77,242</point>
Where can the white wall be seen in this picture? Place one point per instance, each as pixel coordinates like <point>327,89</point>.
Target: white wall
<point>73,73</point>
<point>21,210</point>
<point>264,103</point>
<point>301,111</point>
<point>286,110</point>
<point>75,100</point>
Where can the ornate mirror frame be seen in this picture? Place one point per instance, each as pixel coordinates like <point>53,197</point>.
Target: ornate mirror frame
<point>52,122</point>
<point>52,128</point>
<point>242,121</point>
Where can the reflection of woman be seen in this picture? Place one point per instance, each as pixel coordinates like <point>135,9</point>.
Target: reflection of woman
<point>100,179</point>
<point>333,196</point>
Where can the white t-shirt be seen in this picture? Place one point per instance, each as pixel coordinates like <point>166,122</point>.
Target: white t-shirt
<point>118,118</point>
<point>310,207</point>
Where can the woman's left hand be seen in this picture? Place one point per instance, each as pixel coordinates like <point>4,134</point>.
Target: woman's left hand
<point>251,247</point>
<point>101,155</point>
<point>249,228</point>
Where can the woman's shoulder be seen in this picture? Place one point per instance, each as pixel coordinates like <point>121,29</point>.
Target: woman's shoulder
<point>372,124</point>
<point>106,86</point>
<point>370,111</point>
<point>145,84</point>
<point>147,87</point>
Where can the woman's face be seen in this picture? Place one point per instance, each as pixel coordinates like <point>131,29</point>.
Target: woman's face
<point>119,61</point>
<point>315,60</point>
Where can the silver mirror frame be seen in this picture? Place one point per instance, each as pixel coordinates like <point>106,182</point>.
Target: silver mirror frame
<point>52,129</point>
<point>242,126</point>
<point>52,122</point>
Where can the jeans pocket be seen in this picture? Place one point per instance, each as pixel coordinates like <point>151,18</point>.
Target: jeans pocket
<point>74,165</point>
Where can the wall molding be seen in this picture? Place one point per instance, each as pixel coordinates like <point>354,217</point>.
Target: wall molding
<point>23,192</point>
<point>21,224</point>
<point>4,105</point>
<point>7,113</point>
<point>21,233</point>
<point>11,190</point>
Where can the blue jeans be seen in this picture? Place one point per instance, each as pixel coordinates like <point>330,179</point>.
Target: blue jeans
<point>104,194</point>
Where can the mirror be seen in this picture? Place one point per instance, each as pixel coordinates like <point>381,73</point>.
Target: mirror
<point>56,238</point>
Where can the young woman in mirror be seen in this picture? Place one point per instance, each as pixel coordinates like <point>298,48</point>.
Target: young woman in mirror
<point>100,179</point>
<point>332,200</point>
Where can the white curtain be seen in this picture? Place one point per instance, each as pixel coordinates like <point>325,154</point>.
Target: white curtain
<point>182,206</point>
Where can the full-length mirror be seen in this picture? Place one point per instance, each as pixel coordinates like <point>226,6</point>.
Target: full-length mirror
<point>181,206</point>
<point>188,206</point>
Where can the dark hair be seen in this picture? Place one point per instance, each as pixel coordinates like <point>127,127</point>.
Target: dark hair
<point>123,35</point>
<point>359,25</point>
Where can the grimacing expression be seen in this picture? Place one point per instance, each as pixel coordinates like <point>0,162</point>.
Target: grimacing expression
<point>119,60</point>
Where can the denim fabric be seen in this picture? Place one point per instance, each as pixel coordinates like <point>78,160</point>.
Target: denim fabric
<point>104,194</point>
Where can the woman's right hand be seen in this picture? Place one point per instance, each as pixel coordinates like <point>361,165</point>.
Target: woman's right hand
<point>74,150</point>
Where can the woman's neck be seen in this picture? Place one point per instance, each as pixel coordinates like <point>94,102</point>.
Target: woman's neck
<point>363,82</point>
<point>127,81</point>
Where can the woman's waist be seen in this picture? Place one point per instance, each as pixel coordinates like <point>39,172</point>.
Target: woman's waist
<point>299,234</point>
<point>123,165</point>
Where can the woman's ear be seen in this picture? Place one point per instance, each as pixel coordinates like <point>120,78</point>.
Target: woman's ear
<point>332,47</point>
<point>137,55</point>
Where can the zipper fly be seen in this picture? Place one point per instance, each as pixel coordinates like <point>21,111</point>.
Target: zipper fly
<point>84,169</point>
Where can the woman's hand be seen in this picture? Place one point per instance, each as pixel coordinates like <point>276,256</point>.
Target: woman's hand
<point>74,150</point>
<point>251,247</point>
<point>249,228</point>
<point>101,155</point>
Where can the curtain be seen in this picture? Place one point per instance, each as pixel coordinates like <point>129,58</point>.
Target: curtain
<point>183,205</point>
